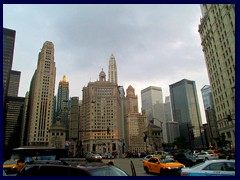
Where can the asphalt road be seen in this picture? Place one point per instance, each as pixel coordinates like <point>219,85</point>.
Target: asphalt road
<point>125,164</point>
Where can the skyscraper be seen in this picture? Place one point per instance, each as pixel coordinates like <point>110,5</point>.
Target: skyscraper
<point>136,123</point>
<point>210,115</point>
<point>8,50</point>
<point>131,101</point>
<point>42,97</point>
<point>14,83</point>
<point>152,103</point>
<point>112,70</point>
<point>62,104</point>
<point>169,125</point>
<point>13,118</point>
<point>185,108</point>
<point>217,31</point>
<point>74,124</point>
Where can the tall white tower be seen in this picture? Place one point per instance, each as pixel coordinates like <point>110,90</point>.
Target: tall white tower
<point>42,97</point>
<point>112,70</point>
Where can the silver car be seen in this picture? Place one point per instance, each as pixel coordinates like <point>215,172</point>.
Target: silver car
<point>218,167</point>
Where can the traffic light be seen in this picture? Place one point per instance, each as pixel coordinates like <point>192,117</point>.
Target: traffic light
<point>108,130</point>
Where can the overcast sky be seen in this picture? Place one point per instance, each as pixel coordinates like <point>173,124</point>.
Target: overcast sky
<point>154,45</point>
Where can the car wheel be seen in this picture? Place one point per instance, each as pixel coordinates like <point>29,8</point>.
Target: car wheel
<point>206,159</point>
<point>146,169</point>
<point>162,172</point>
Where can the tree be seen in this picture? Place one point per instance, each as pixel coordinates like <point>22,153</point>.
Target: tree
<point>180,142</point>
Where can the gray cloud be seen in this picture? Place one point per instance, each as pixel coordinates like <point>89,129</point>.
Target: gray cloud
<point>153,44</point>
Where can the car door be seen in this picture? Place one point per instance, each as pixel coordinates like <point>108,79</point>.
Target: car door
<point>229,169</point>
<point>151,164</point>
<point>155,165</point>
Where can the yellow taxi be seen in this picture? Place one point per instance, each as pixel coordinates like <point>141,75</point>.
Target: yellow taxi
<point>163,166</point>
<point>13,166</point>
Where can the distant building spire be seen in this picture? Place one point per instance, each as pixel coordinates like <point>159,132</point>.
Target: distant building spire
<point>102,76</point>
<point>112,70</point>
<point>64,79</point>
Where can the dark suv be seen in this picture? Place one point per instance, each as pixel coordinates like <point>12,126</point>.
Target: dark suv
<point>185,158</point>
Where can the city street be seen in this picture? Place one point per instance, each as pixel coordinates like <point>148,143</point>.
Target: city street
<point>125,164</point>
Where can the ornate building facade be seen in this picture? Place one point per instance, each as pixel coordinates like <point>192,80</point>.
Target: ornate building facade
<point>217,32</point>
<point>101,129</point>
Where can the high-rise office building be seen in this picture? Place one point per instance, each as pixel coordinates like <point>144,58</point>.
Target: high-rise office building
<point>101,106</point>
<point>210,116</point>
<point>131,101</point>
<point>136,123</point>
<point>42,97</point>
<point>172,129</point>
<point>112,70</point>
<point>74,126</point>
<point>186,112</point>
<point>14,83</point>
<point>24,126</point>
<point>62,104</point>
<point>13,117</point>
<point>217,31</point>
<point>168,125</point>
<point>168,109</point>
<point>152,104</point>
<point>8,51</point>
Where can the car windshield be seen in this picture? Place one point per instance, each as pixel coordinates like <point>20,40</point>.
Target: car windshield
<point>167,160</point>
<point>9,162</point>
<point>107,171</point>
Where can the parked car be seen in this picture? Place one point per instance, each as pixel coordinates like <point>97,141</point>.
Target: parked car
<point>163,166</point>
<point>96,156</point>
<point>185,158</point>
<point>13,166</point>
<point>82,169</point>
<point>107,156</point>
<point>93,157</point>
<point>207,156</point>
<point>219,167</point>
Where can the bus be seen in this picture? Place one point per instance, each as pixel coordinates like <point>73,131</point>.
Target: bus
<point>31,153</point>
